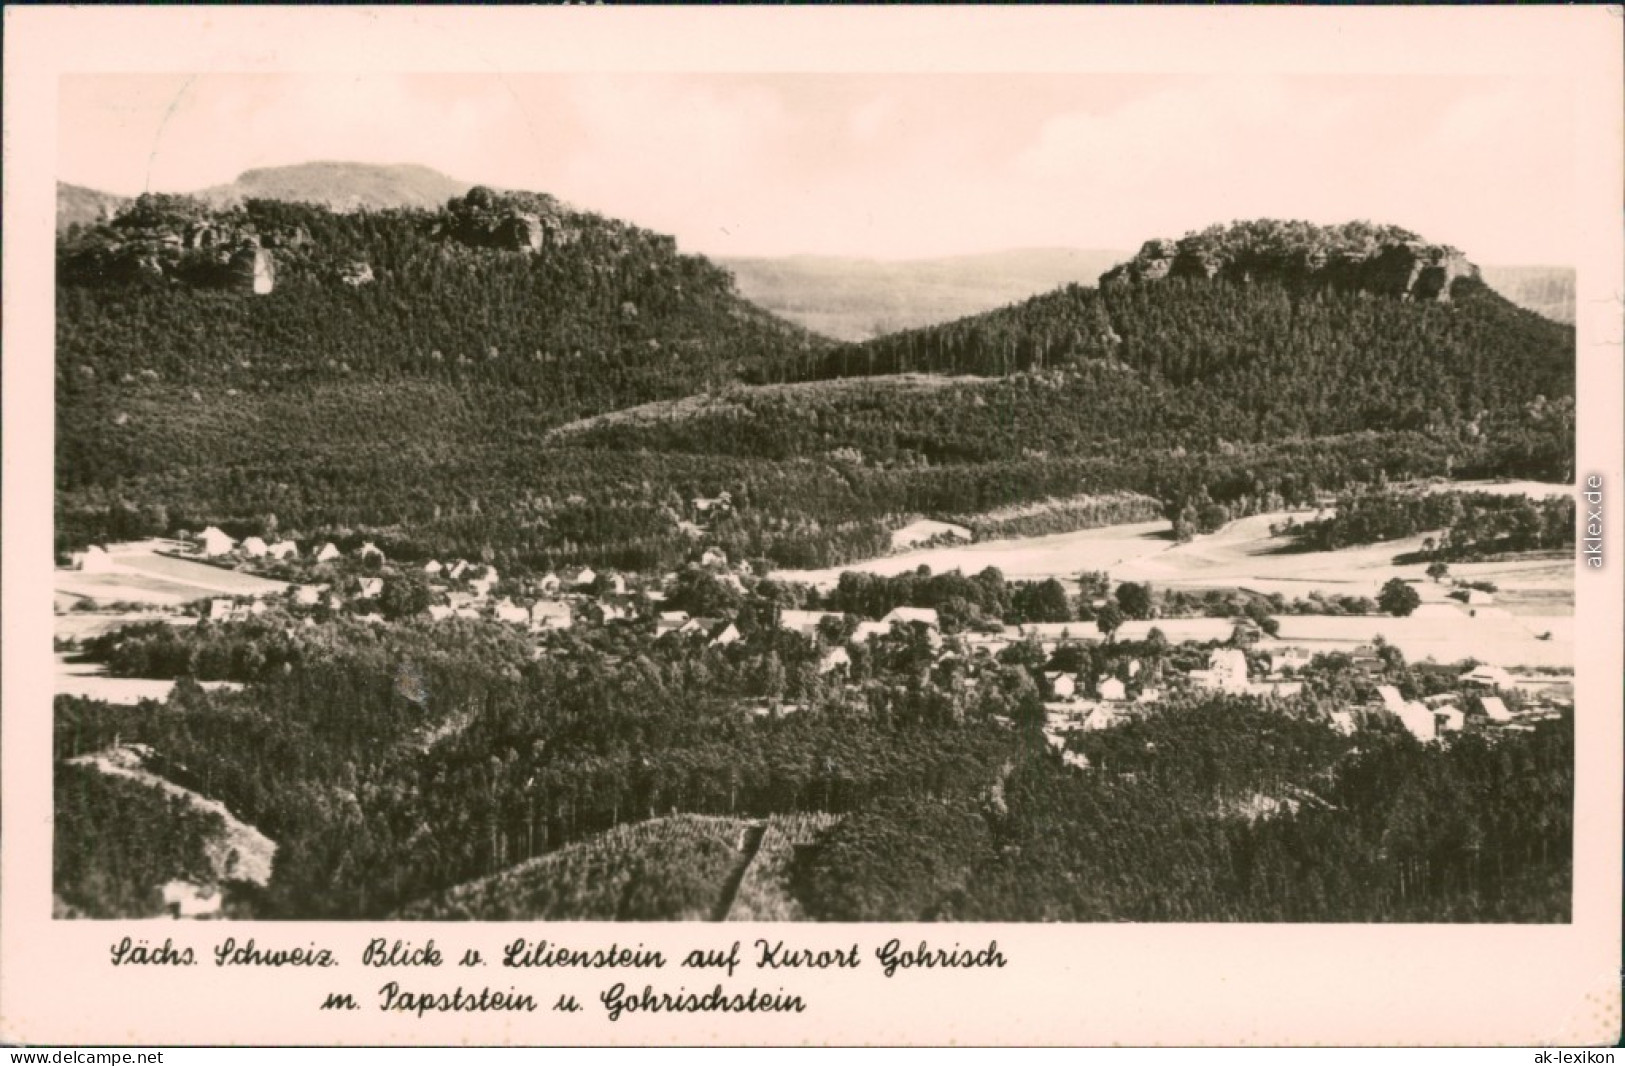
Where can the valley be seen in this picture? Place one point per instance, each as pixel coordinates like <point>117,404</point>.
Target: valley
<point>495,560</point>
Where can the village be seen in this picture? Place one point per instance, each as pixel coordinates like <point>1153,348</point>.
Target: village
<point>211,578</point>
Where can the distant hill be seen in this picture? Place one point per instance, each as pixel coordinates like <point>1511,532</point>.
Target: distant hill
<point>336,186</point>
<point>341,186</point>
<point>77,205</point>
<point>855,299</point>
<point>1545,290</point>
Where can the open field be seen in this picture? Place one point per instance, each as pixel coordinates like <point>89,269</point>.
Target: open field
<point>137,573</point>
<point>90,681</point>
<point>1241,555</point>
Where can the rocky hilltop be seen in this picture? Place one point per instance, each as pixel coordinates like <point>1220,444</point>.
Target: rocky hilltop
<point>1358,256</point>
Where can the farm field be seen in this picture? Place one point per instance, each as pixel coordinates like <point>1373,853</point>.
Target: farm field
<point>139,574</point>
<point>90,681</point>
<point>1241,555</point>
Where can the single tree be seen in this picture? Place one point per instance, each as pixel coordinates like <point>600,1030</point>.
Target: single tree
<point>1398,598</point>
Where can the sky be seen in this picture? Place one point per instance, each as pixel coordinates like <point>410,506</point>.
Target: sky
<point>891,166</point>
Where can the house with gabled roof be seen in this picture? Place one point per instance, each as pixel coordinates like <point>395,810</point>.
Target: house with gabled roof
<point>253,547</point>
<point>212,542</point>
<point>328,553</point>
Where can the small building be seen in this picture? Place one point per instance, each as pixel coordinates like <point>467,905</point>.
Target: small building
<point>457,570</point>
<point>212,542</point>
<point>551,615</point>
<point>1495,708</point>
<point>713,557</point>
<point>308,595</point>
<point>1392,701</point>
<point>433,568</point>
<point>804,622</point>
<point>865,631</point>
<point>220,610</point>
<point>1149,695</point>
<point>253,547</point>
<point>670,621</point>
<point>581,578</point>
<point>834,659</point>
<point>909,615</point>
<point>1110,688</point>
<point>1284,659</point>
<point>372,588</point>
<point>328,553</point>
<point>1487,677</point>
<point>1061,685</point>
<point>1419,721</point>
<point>182,899</point>
<point>438,612</point>
<point>728,634</point>
<point>1226,671</point>
<point>508,611</point>
<point>1343,722</point>
<point>1449,719</point>
<point>283,549</point>
<point>1100,717</point>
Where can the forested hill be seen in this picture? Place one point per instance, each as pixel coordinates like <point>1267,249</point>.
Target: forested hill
<point>508,290</point>
<point>407,373</point>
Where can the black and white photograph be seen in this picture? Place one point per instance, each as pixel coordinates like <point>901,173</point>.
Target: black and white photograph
<point>926,497</point>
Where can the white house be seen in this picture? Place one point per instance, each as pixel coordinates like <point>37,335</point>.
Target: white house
<point>1101,717</point>
<point>668,621</point>
<point>213,542</point>
<point>458,569</point>
<point>866,630</point>
<point>927,615</point>
<point>1343,722</point>
<point>219,610</point>
<point>713,557</point>
<point>1226,671</point>
<point>728,634</point>
<point>1449,719</point>
<point>1487,677</point>
<point>253,547</point>
<point>1284,659</point>
<point>308,595</point>
<point>834,659</point>
<point>433,568</point>
<point>1391,699</point>
<point>283,549</point>
<point>1495,708</point>
<point>1419,720</point>
<point>550,614</point>
<point>804,622</point>
<point>372,587</point>
<point>1110,688</point>
<point>185,900</point>
<point>1061,686</point>
<point>328,553</point>
<point>508,611</point>
<point>439,612</point>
